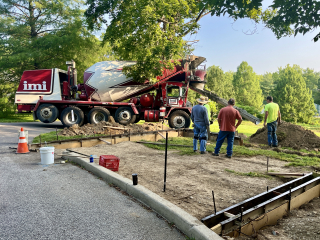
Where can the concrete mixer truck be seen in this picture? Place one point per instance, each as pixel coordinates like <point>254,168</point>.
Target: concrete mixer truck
<point>53,94</point>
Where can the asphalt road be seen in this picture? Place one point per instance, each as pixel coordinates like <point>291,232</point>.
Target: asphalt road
<point>63,201</point>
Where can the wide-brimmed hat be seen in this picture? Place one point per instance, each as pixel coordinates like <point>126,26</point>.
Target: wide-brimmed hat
<point>202,99</point>
<point>207,99</point>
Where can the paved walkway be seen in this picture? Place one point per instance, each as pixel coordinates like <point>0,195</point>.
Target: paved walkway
<point>62,201</point>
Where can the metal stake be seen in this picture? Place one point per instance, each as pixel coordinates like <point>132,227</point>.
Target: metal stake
<point>240,221</point>
<point>289,205</point>
<point>267,188</point>
<point>214,204</point>
<point>165,164</point>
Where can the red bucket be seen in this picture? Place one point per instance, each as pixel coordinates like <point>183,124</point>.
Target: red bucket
<point>110,162</point>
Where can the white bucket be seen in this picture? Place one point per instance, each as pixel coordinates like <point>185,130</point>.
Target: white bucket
<point>47,155</point>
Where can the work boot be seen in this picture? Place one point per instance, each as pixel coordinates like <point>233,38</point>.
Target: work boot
<point>228,156</point>
<point>215,154</point>
<point>274,145</point>
<point>203,152</point>
<point>195,151</point>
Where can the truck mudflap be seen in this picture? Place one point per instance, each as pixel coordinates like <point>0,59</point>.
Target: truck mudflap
<point>224,102</point>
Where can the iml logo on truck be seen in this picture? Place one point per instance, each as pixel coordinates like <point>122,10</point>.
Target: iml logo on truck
<point>34,86</point>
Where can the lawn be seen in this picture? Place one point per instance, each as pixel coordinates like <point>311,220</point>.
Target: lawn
<point>22,117</point>
<point>246,127</point>
<point>292,159</point>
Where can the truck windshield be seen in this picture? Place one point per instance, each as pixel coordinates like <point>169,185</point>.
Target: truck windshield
<point>173,91</point>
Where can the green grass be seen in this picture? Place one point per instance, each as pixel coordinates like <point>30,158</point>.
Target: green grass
<point>249,174</point>
<point>292,159</point>
<point>246,127</point>
<point>22,117</point>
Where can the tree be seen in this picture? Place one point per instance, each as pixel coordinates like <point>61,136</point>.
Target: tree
<point>312,82</point>
<point>266,84</point>
<point>294,98</point>
<point>247,87</point>
<point>220,82</point>
<point>151,31</point>
<point>39,34</point>
<point>293,17</point>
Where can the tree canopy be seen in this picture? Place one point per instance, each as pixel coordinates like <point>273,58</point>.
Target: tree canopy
<point>151,31</point>
<point>39,34</point>
<point>220,82</point>
<point>247,86</point>
<point>293,96</point>
<point>294,16</point>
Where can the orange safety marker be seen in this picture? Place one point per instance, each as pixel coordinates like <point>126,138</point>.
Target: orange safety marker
<point>22,145</point>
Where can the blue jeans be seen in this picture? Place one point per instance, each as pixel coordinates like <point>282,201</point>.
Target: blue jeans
<point>221,136</point>
<point>272,136</point>
<point>200,133</point>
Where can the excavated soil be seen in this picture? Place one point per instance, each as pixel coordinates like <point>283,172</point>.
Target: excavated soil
<point>191,179</point>
<point>110,127</point>
<point>289,135</point>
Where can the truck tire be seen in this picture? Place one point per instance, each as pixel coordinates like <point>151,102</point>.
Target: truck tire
<point>137,119</point>
<point>124,116</point>
<point>47,113</point>
<point>66,117</point>
<point>179,119</point>
<point>98,114</point>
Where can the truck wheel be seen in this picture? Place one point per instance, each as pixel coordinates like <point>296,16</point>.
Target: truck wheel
<point>47,113</point>
<point>137,119</point>
<point>179,119</point>
<point>98,114</point>
<point>124,116</point>
<point>66,116</point>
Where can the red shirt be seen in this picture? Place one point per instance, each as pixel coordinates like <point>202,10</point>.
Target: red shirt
<point>228,116</point>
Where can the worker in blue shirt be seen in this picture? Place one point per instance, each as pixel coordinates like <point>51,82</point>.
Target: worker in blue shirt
<point>199,116</point>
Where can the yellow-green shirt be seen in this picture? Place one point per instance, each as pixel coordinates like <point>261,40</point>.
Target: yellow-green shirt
<point>208,110</point>
<point>272,109</point>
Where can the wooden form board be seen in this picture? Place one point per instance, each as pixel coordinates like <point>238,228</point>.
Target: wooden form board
<point>271,217</point>
<point>114,140</point>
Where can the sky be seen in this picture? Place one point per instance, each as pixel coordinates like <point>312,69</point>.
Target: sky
<point>223,43</point>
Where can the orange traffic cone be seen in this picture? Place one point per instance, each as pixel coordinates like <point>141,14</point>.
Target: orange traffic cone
<point>22,145</point>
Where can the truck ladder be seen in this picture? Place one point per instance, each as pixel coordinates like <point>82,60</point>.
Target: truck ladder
<point>216,98</point>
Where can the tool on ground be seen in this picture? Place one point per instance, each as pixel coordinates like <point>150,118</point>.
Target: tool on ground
<point>22,144</point>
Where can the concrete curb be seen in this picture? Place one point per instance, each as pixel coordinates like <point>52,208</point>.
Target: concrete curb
<point>185,222</point>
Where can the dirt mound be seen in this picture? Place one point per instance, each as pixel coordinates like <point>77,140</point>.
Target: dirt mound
<point>289,135</point>
<point>110,127</point>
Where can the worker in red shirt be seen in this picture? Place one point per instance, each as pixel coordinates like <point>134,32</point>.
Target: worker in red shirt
<point>227,120</point>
